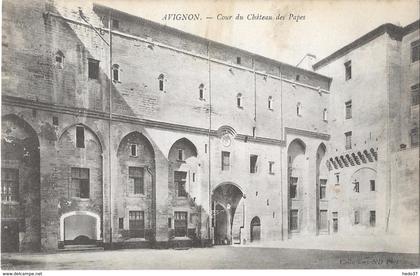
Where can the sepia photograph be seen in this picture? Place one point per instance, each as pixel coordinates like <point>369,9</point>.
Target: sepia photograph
<point>210,135</point>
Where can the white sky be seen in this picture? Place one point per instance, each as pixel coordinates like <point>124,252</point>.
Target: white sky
<point>328,25</point>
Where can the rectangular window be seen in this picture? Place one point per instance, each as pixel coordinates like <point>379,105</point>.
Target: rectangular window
<point>356,217</point>
<point>372,185</point>
<point>136,180</point>
<point>136,224</point>
<point>294,216</point>
<point>348,110</point>
<point>415,94</point>
<point>335,222</point>
<point>337,178</point>
<point>93,69</point>
<point>253,163</point>
<point>225,161</point>
<point>80,182</point>
<point>293,187</point>
<point>372,218</point>
<point>133,150</point>
<point>414,134</point>
<point>181,156</point>
<point>9,185</point>
<point>169,223</point>
<point>121,223</point>
<point>347,67</point>
<point>80,137</point>
<point>271,167</point>
<point>180,182</point>
<point>238,60</point>
<point>180,224</point>
<point>323,220</point>
<point>55,121</point>
<point>322,188</point>
<point>415,51</point>
<point>115,23</point>
<point>356,187</point>
<point>348,140</point>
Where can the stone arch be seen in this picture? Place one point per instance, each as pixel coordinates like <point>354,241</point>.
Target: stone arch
<point>134,189</point>
<point>297,172</point>
<point>186,143</point>
<point>321,179</point>
<point>101,142</point>
<point>96,236</point>
<point>21,193</point>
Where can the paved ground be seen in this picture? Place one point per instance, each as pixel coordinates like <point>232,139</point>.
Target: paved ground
<point>218,257</point>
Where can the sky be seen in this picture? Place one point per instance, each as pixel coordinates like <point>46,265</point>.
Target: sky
<point>326,27</point>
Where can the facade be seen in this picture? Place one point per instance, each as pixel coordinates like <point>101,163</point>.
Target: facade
<point>205,144</point>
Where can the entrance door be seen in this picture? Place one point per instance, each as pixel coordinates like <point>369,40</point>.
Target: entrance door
<point>255,229</point>
<point>9,237</point>
<point>323,222</point>
<point>180,224</point>
<point>136,224</point>
<point>221,230</point>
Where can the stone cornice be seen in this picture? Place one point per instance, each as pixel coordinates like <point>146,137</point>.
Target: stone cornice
<point>307,133</point>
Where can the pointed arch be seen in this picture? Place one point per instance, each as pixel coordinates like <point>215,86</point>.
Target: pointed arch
<point>97,137</point>
<point>185,143</point>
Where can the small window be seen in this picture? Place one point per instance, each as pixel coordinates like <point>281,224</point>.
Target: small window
<point>325,115</point>
<point>136,180</point>
<point>268,202</point>
<point>322,188</point>
<point>115,23</point>
<point>414,134</point>
<point>270,103</point>
<point>193,177</point>
<point>372,186</point>
<point>335,222</point>
<point>169,223</point>
<point>415,51</point>
<point>80,182</point>
<point>271,167</point>
<point>161,79</point>
<point>225,161</point>
<point>347,67</point>
<point>299,109</point>
<point>294,218</point>
<point>133,150</point>
<point>93,69</point>
<point>116,73</point>
<point>348,110</point>
<point>205,148</point>
<point>238,60</point>
<point>253,163</point>
<point>415,94</point>
<point>201,92</point>
<point>337,179</point>
<point>55,120</point>
<point>59,60</point>
<point>372,218</point>
<point>348,140</point>
<point>80,136</point>
<point>181,156</point>
<point>254,132</point>
<point>297,77</point>
<point>293,187</point>
<point>9,185</point>
<point>180,183</point>
<point>239,100</point>
<point>121,223</point>
<point>356,217</point>
<point>356,187</point>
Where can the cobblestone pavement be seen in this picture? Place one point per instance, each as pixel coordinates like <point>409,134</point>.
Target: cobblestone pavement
<point>218,257</point>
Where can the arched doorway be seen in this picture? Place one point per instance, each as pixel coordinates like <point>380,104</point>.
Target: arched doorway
<point>255,229</point>
<point>20,186</point>
<point>228,222</point>
<point>80,227</point>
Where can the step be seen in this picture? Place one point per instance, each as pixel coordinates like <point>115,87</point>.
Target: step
<point>81,248</point>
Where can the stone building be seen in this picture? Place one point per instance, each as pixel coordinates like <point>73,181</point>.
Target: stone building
<point>206,143</point>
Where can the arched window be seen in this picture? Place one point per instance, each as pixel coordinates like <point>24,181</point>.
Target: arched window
<point>59,59</point>
<point>201,91</point>
<point>161,82</point>
<point>270,103</point>
<point>299,109</point>
<point>116,73</point>
<point>325,115</point>
<point>239,100</point>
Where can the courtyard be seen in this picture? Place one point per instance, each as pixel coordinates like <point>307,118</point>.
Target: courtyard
<point>218,257</point>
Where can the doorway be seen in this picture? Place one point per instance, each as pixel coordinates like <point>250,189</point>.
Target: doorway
<point>255,229</point>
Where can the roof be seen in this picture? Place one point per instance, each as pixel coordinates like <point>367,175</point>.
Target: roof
<point>394,31</point>
<point>100,7</point>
